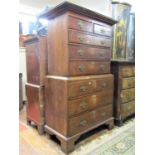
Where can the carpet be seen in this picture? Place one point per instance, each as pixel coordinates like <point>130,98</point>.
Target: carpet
<point>119,141</point>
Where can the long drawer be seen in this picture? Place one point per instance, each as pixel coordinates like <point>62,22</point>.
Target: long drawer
<point>128,71</point>
<point>84,87</point>
<point>128,109</point>
<point>127,95</point>
<point>85,121</point>
<point>83,38</point>
<point>88,67</point>
<point>128,83</point>
<point>88,53</point>
<point>89,102</point>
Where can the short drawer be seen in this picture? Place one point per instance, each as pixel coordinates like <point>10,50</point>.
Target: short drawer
<point>87,120</point>
<point>83,38</point>
<point>127,71</point>
<point>127,95</point>
<point>128,109</point>
<point>83,104</point>
<point>79,24</point>
<point>88,67</point>
<point>84,87</point>
<point>89,53</point>
<point>128,83</point>
<point>102,30</point>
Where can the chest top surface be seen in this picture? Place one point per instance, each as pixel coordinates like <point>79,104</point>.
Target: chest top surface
<point>67,6</point>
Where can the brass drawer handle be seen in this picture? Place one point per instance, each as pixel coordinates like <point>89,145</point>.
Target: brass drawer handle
<point>104,84</point>
<point>101,54</point>
<point>102,30</point>
<point>81,68</point>
<point>84,105</point>
<point>129,107</point>
<point>81,39</point>
<point>83,88</point>
<point>83,123</point>
<point>81,52</point>
<point>102,67</point>
<point>103,114</point>
<point>102,42</point>
<point>80,24</point>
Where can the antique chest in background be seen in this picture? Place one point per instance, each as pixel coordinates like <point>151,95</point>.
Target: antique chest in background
<point>124,92</point>
<point>36,59</point>
<point>79,86</point>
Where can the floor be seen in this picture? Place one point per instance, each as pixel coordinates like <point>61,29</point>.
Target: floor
<point>119,141</point>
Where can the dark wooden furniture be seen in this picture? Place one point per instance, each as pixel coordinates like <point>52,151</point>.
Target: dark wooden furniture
<point>124,92</point>
<point>79,86</point>
<point>20,92</point>
<point>36,57</point>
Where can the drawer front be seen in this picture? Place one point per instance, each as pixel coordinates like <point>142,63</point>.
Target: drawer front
<point>88,53</point>
<point>87,120</point>
<point>127,95</point>
<point>88,67</point>
<point>78,24</point>
<point>127,71</point>
<point>84,87</point>
<point>90,102</point>
<point>82,38</point>
<point>128,83</point>
<point>128,109</point>
<point>102,30</point>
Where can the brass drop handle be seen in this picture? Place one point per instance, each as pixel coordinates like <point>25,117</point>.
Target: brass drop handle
<point>81,68</point>
<point>102,42</point>
<point>102,30</point>
<point>80,24</point>
<point>83,123</point>
<point>81,39</point>
<point>84,105</point>
<point>101,53</point>
<point>81,52</point>
<point>83,88</point>
<point>103,114</point>
<point>104,84</point>
<point>129,108</point>
<point>102,67</point>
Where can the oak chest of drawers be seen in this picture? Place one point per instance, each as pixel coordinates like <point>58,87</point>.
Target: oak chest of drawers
<point>79,86</point>
<point>124,92</point>
<point>36,60</point>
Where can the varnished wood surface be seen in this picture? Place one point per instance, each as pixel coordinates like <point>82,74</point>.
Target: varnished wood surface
<point>35,103</point>
<point>87,39</point>
<point>36,59</point>
<point>83,122</point>
<point>81,52</point>
<point>88,68</point>
<point>90,102</point>
<point>124,89</point>
<point>68,6</point>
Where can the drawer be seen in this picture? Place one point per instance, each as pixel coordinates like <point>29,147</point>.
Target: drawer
<point>127,71</point>
<point>84,87</point>
<point>87,120</point>
<point>88,53</point>
<point>88,67</point>
<point>90,102</point>
<point>102,30</point>
<point>127,95</point>
<point>79,24</point>
<point>83,38</point>
<point>128,109</point>
<point>128,83</point>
